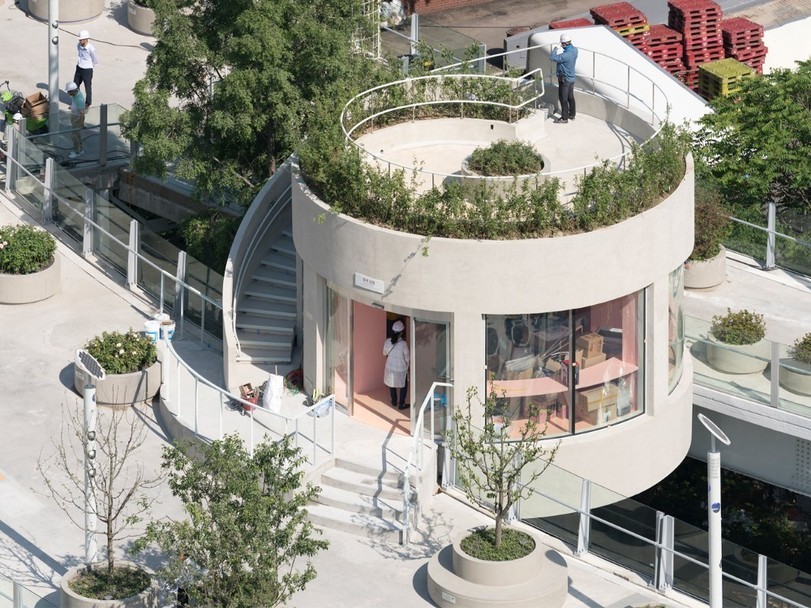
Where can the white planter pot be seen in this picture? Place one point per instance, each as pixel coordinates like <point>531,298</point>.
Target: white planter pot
<point>125,389</point>
<point>140,18</point>
<point>738,359</point>
<point>27,288</point>
<point>69,10</point>
<point>68,598</point>
<point>706,273</point>
<point>795,376</point>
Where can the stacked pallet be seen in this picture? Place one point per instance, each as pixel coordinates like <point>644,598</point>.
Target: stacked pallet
<point>665,48</point>
<point>625,19</point>
<point>743,40</point>
<point>722,77</point>
<point>699,21</point>
<point>570,23</point>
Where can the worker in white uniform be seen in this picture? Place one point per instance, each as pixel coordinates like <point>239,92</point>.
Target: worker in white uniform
<point>395,376</point>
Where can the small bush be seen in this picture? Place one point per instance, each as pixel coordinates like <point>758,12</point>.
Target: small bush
<point>25,249</point>
<point>504,157</point>
<point>481,544</point>
<point>122,353</point>
<point>800,351</point>
<point>738,328</point>
<point>712,223</point>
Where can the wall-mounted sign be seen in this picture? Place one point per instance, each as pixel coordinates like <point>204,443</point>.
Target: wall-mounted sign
<point>369,284</point>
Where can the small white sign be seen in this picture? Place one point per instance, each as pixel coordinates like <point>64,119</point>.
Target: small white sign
<point>369,284</point>
<point>451,599</point>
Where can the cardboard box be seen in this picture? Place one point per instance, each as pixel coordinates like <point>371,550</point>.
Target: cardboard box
<point>35,105</point>
<point>600,415</point>
<point>600,396</point>
<point>591,344</point>
<point>594,360</point>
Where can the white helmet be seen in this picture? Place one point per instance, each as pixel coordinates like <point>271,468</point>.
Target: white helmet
<point>71,86</point>
<point>565,39</point>
<point>84,35</point>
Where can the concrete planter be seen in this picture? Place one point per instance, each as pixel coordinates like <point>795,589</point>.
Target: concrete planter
<point>706,273</point>
<point>502,184</point>
<point>460,580</point>
<point>140,18</point>
<point>27,288</point>
<point>124,390</point>
<point>68,598</point>
<point>70,11</point>
<point>795,376</point>
<point>738,359</point>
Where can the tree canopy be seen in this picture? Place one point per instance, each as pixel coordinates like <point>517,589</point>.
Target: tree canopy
<point>755,144</point>
<point>230,86</point>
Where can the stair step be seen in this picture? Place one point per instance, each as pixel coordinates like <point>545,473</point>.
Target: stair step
<point>362,483</point>
<point>264,325</point>
<point>270,293</point>
<point>274,276</point>
<point>279,262</point>
<point>390,510</point>
<point>264,341</point>
<point>359,524</point>
<point>263,357</point>
<point>266,308</point>
<point>392,477</point>
<point>284,245</point>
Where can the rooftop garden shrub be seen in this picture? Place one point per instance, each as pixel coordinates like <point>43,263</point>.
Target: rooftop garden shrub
<point>712,223</point>
<point>800,351</point>
<point>739,327</point>
<point>122,353</point>
<point>25,249</point>
<point>504,157</point>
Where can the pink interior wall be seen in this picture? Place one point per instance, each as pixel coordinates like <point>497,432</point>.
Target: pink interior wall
<point>369,335</point>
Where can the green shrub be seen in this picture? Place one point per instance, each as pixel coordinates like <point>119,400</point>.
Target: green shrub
<point>122,353</point>
<point>481,544</point>
<point>504,157</point>
<point>25,249</point>
<point>712,223</point>
<point>738,328</point>
<point>800,351</point>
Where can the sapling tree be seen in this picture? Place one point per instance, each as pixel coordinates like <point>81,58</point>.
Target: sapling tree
<point>492,455</point>
<point>246,524</point>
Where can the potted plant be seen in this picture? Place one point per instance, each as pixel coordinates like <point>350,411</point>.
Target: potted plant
<point>492,457</point>
<point>795,371</point>
<point>130,363</point>
<point>140,17</point>
<point>736,342</point>
<point>707,264</point>
<point>504,163</point>
<point>29,266</point>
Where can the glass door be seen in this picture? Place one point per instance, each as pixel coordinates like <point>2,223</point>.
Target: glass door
<point>430,362</point>
<point>339,349</point>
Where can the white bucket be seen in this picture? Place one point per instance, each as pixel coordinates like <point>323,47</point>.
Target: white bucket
<point>161,317</point>
<point>167,330</point>
<point>152,329</point>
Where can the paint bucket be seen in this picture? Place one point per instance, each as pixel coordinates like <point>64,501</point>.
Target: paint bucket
<point>167,330</point>
<point>152,330</point>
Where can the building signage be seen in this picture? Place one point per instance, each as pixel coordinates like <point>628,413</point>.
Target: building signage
<point>369,284</point>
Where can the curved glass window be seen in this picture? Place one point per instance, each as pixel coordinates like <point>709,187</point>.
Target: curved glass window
<point>531,370</point>
<point>675,328</point>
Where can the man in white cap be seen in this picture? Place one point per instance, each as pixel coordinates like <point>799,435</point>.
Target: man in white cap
<point>77,107</point>
<point>566,58</point>
<point>84,65</point>
<point>395,374</point>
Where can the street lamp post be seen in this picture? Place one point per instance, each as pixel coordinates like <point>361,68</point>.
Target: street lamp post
<point>714,510</point>
<point>90,543</point>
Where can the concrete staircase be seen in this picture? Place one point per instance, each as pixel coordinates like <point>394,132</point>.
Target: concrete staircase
<point>360,500</point>
<point>266,310</point>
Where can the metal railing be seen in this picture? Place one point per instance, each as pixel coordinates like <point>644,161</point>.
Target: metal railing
<point>415,462</point>
<point>209,398</point>
<point>771,249</point>
<point>17,595</point>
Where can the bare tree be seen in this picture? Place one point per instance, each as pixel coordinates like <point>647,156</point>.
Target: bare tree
<point>119,481</point>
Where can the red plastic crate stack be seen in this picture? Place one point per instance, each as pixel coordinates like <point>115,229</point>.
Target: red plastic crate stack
<point>699,21</point>
<point>743,40</point>
<point>570,23</point>
<point>627,20</point>
<point>665,48</point>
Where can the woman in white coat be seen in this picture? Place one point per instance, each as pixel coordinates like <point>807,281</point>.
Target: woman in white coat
<point>395,376</point>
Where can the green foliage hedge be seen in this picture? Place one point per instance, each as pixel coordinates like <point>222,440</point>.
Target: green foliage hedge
<point>25,249</point>
<point>504,157</point>
<point>122,353</point>
<point>739,328</point>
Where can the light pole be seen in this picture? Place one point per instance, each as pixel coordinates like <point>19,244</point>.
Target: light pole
<point>53,66</point>
<point>90,543</point>
<point>714,510</point>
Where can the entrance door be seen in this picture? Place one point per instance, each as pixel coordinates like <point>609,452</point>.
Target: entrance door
<point>430,356</point>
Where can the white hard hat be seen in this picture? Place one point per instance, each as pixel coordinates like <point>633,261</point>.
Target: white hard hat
<point>398,327</point>
<point>17,117</point>
<point>71,86</point>
<point>565,38</point>
<point>84,35</point>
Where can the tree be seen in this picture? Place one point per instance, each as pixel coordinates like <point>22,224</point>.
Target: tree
<point>246,523</point>
<point>230,86</point>
<point>491,460</point>
<point>119,483</point>
<point>755,143</point>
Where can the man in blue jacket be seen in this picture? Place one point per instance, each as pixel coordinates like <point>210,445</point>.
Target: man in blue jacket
<point>566,58</point>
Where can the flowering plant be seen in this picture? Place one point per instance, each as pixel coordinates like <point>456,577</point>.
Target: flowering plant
<point>25,249</point>
<point>122,353</point>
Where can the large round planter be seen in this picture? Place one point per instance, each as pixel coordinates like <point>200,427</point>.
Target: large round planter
<point>503,184</point>
<point>68,598</point>
<point>140,18</point>
<point>70,11</point>
<point>706,273</point>
<point>456,579</point>
<point>795,376</point>
<point>738,359</point>
<point>27,288</point>
<point>124,389</point>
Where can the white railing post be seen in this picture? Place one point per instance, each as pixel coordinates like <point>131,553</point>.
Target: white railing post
<point>88,235</point>
<point>762,581</point>
<point>771,227</point>
<point>197,406</point>
<point>774,379</point>
<point>663,572</point>
<point>132,254</point>
<point>584,529</point>
<point>48,199</point>
<point>11,170</point>
<point>177,305</point>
